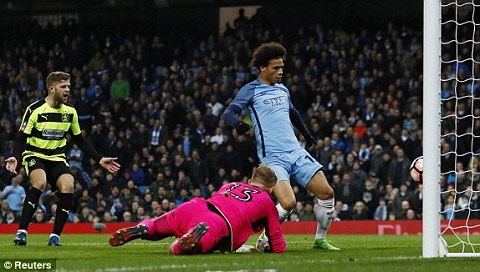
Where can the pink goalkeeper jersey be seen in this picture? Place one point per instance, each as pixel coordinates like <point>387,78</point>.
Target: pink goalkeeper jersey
<point>248,209</point>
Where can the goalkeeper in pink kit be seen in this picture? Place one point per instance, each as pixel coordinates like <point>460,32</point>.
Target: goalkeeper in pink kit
<point>223,222</point>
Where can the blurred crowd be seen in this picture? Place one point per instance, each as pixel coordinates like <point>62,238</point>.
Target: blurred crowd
<point>154,98</point>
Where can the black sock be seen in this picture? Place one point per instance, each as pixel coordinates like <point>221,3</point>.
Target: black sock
<point>63,209</point>
<point>29,207</point>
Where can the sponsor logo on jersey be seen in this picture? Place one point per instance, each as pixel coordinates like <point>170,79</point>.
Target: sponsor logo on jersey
<point>53,133</point>
<point>276,101</point>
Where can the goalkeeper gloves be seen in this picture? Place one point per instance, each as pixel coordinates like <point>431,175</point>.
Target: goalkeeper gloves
<point>242,128</point>
<point>311,141</point>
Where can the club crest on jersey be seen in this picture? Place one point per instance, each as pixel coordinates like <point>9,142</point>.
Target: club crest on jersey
<point>65,117</point>
<point>32,162</point>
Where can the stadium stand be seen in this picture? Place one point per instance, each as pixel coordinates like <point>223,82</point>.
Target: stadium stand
<point>360,92</point>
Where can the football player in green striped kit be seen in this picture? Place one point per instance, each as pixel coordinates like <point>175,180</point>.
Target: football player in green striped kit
<point>40,144</point>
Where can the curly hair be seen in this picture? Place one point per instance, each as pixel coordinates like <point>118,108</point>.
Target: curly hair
<point>267,52</point>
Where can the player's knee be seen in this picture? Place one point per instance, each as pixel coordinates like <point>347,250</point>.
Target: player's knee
<point>326,194</point>
<point>66,184</point>
<point>288,205</point>
<point>40,185</point>
<point>67,190</point>
<point>66,187</point>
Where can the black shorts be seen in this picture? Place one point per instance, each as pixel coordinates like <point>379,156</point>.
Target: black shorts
<point>53,169</point>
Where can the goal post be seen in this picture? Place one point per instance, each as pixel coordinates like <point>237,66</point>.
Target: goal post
<point>431,127</point>
<point>451,128</point>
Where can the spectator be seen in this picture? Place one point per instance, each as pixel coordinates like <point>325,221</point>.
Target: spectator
<point>117,208</point>
<point>389,195</point>
<point>401,214</point>
<point>347,191</point>
<point>10,218</point>
<point>307,214</point>
<point>359,211</point>
<point>212,160</point>
<point>218,137</point>
<point>159,181</point>
<point>216,106</point>
<point>179,164</point>
<point>120,89</point>
<point>403,195</point>
<point>76,218</point>
<point>197,170</point>
<point>381,212</point>
<point>229,159</point>
<point>84,105</point>
<point>383,174</point>
<point>411,215</point>
<point>370,198</point>
<point>293,217</point>
<point>39,216</point>
<point>342,211</point>
<point>138,176</point>
<point>4,209</point>
<point>182,197</point>
<point>14,194</point>
<point>158,134</point>
<point>75,157</point>
<point>448,208</point>
<point>183,182</point>
<point>358,176</point>
<point>417,200</point>
<point>108,218</point>
<point>376,159</point>
<point>242,25</point>
<point>259,21</point>
<point>127,217</point>
<point>399,169</point>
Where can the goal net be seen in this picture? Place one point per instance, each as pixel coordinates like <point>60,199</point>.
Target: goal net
<point>452,161</point>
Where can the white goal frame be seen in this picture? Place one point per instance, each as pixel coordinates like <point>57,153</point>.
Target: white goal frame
<point>433,245</point>
<point>431,127</point>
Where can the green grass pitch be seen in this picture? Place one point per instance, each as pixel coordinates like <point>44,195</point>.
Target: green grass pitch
<point>358,253</point>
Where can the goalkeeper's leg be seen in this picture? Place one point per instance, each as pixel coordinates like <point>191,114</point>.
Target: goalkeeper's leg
<point>286,198</point>
<point>147,229</point>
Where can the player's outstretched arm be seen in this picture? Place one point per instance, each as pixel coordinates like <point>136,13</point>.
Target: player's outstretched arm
<point>11,163</point>
<point>110,164</point>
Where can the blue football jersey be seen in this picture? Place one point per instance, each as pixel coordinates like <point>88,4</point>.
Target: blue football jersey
<point>269,110</point>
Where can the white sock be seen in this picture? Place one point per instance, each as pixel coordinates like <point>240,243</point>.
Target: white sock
<point>53,234</point>
<point>282,213</point>
<point>324,212</point>
<point>22,230</point>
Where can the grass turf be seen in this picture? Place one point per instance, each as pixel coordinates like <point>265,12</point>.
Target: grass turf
<point>358,253</point>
